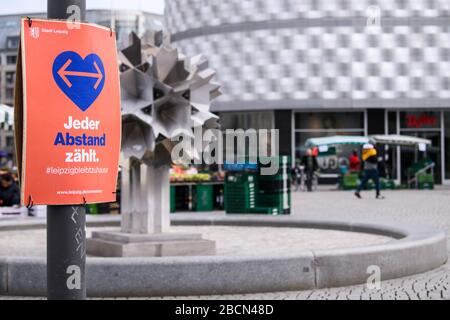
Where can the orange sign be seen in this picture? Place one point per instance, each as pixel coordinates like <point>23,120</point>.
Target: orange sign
<point>68,122</point>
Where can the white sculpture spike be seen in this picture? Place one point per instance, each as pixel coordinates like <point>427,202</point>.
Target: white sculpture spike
<point>162,91</point>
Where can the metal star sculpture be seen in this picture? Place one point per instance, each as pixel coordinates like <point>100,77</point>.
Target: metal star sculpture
<point>162,91</point>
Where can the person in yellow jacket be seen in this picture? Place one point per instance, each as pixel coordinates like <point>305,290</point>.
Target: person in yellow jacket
<point>369,156</point>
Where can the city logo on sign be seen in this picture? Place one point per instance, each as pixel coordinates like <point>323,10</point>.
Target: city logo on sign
<point>34,32</point>
<point>81,80</point>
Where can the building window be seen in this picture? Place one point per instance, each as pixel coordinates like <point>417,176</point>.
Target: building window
<point>12,59</point>
<point>10,77</point>
<point>12,42</point>
<point>427,125</point>
<point>331,122</point>
<point>391,155</point>
<point>9,93</point>
<point>10,142</point>
<point>392,122</point>
<point>245,121</point>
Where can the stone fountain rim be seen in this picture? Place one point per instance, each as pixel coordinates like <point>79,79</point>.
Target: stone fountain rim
<point>414,249</point>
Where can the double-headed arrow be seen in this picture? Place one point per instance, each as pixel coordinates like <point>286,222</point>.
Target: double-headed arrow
<point>63,73</point>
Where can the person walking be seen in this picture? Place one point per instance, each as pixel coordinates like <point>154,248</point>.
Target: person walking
<point>369,156</point>
<point>309,162</point>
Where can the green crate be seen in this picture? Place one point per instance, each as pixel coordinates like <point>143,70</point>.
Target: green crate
<point>426,185</point>
<point>278,200</point>
<point>350,181</point>
<point>248,193</point>
<point>426,178</point>
<point>273,197</point>
<point>237,211</point>
<point>92,209</point>
<point>247,204</point>
<point>284,162</point>
<point>231,191</point>
<point>229,195</point>
<point>280,205</point>
<point>203,198</point>
<point>239,202</point>
<point>269,210</point>
<point>273,194</point>
<point>278,177</point>
<point>258,210</point>
<point>239,177</point>
<point>265,210</point>
<point>388,184</point>
<point>384,184</point>
<point>173,202</point>
<point>181,200</point>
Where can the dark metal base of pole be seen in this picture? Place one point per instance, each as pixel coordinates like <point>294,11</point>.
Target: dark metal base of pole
<point>66,225</point>
<point>66,252</point>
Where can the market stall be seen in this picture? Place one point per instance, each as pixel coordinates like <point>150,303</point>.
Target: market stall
<point>196,189</point>
<point>333,145</point>
<point>421,174</point>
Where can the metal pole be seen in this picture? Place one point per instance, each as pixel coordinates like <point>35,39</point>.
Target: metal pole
<point>61,9</point>
<point>66,253</point>
<point>66,225</point>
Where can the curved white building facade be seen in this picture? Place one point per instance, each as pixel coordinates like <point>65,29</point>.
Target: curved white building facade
<point>336,66</point>
<point>308,53</point>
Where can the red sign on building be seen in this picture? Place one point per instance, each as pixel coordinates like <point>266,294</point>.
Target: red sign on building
<point>421,121</point>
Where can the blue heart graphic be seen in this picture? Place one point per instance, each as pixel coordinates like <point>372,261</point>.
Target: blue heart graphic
<point>82,80</point>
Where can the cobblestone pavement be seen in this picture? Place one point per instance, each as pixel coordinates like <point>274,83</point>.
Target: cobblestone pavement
<point>422,207</point>
<point>433,285</point>
<point>430,208</point>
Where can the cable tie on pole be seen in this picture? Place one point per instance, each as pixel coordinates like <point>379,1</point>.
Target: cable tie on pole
<point>30,22</point>
<point>30,202</point>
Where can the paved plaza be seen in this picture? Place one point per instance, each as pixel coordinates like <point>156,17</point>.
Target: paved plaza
<point>230,241</point>
<point>431,208</point>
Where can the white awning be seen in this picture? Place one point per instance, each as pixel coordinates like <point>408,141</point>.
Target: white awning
<point>395,139</point>
<point>336,140</point>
